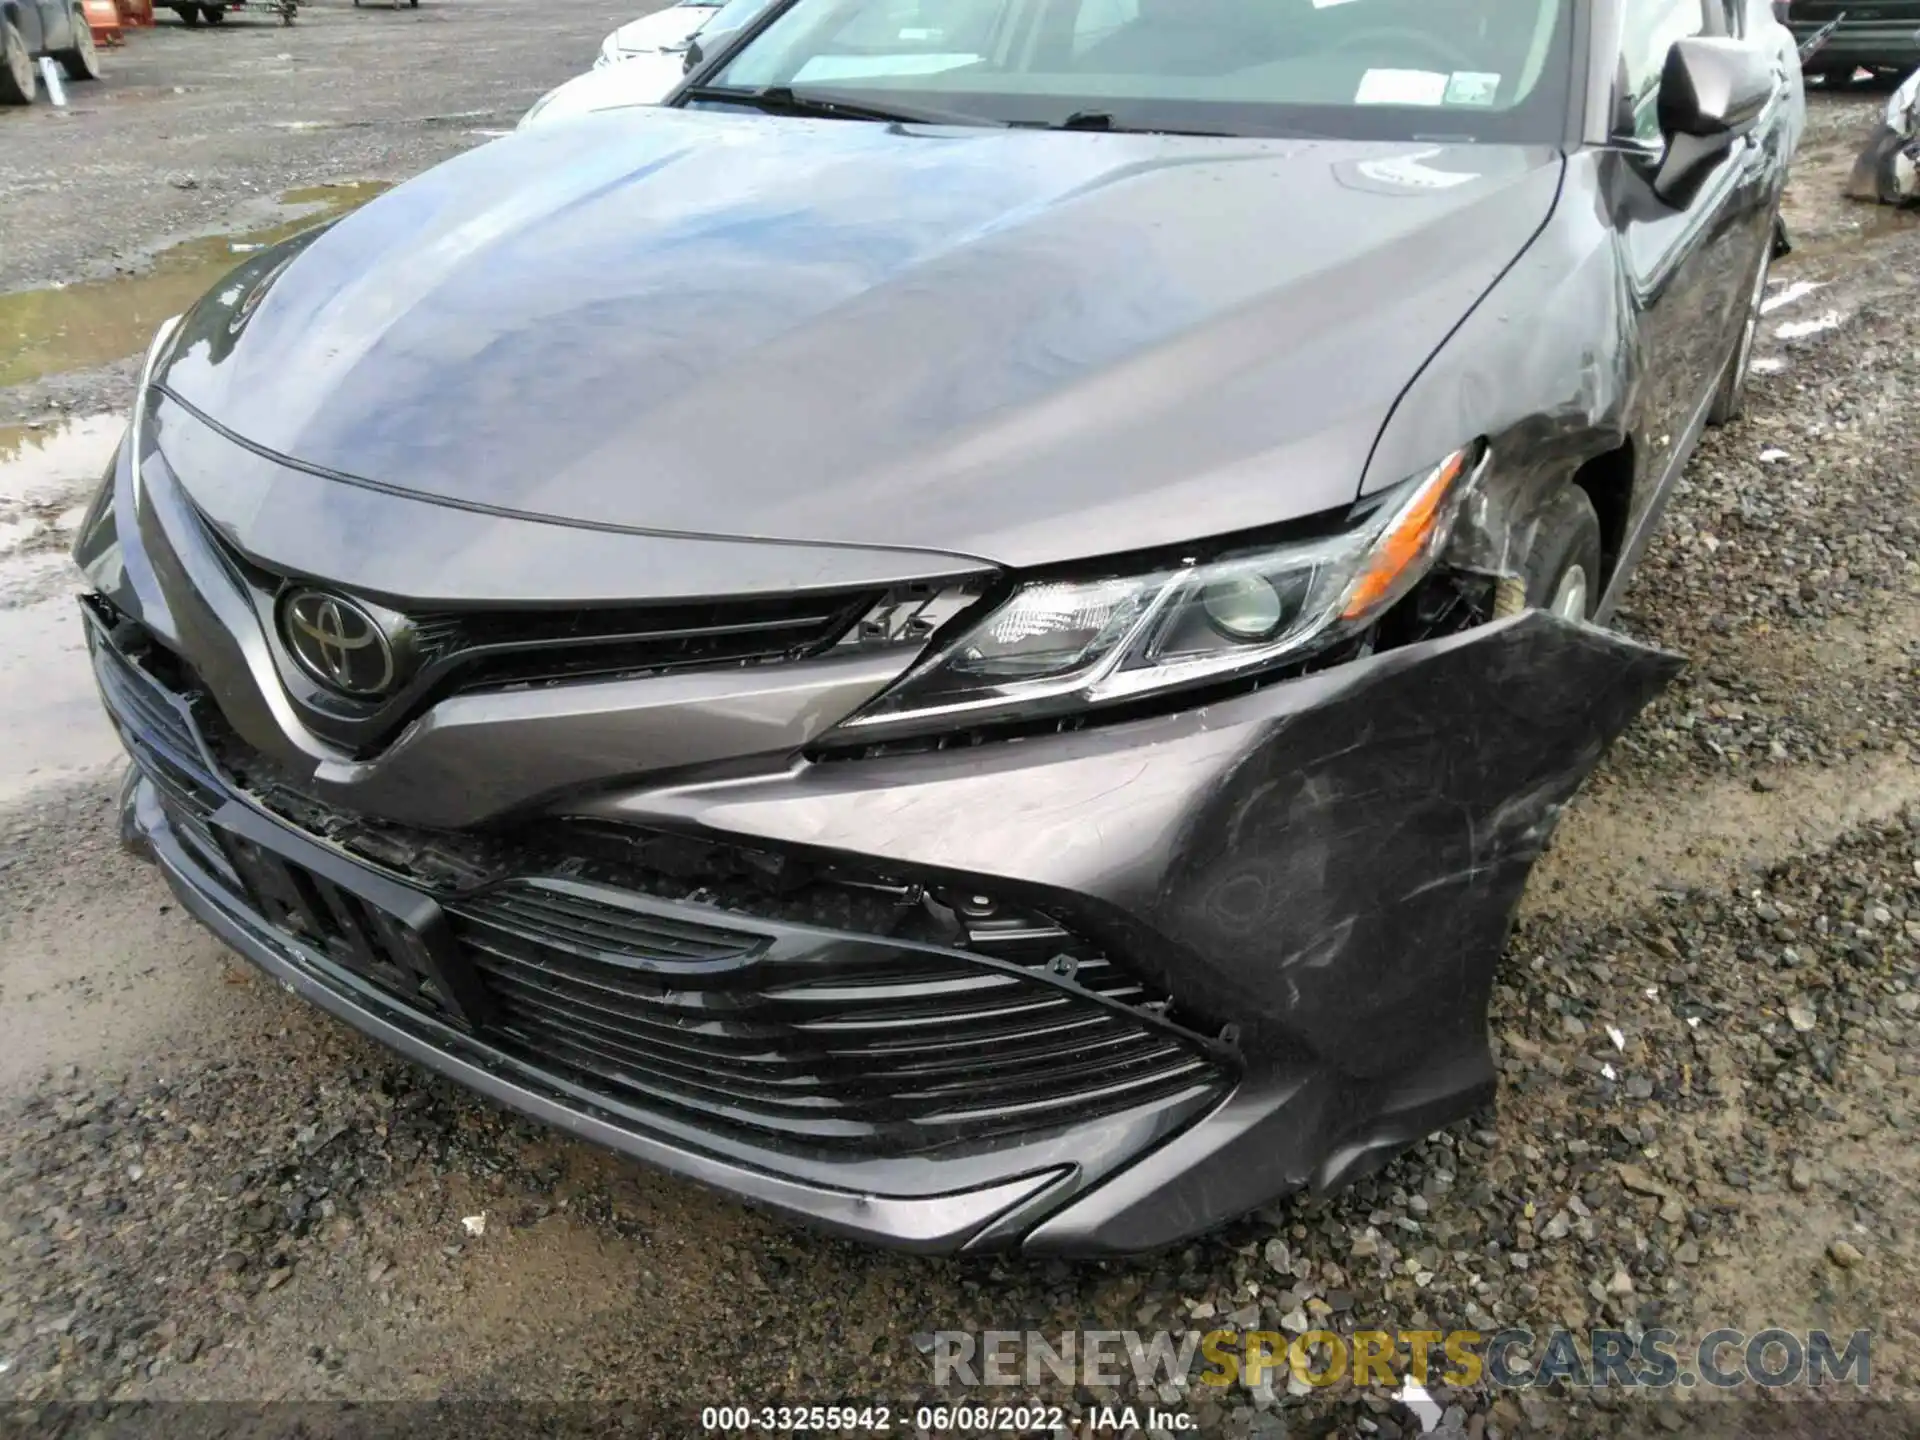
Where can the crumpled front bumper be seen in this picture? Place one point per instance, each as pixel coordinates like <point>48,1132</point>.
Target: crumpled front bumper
<point>1259,934</point>
<point>1320,873</point>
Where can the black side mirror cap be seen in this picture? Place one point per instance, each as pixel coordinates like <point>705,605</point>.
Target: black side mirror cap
<point>1712,87</point>
<point>1712,92</point>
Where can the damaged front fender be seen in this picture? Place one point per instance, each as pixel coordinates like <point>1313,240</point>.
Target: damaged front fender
<point>1324,869</point>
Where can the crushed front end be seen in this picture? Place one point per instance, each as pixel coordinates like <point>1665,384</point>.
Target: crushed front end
<point>1069,987</point>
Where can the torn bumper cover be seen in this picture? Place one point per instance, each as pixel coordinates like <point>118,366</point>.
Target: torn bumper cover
<point>1093,992</point>
<point>1888,168</point>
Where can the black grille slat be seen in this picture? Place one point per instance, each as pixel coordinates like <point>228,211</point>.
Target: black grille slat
<point>609,929</point>
<point>800,1086</point>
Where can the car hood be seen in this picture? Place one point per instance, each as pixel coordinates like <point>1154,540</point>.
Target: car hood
<point>1024,346</point>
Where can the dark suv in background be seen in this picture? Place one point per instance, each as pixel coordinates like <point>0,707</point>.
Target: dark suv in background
<point>1876,34</point>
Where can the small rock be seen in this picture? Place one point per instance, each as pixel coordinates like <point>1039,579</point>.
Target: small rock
<point>1620,1284</point>
<point>1844,1254</point>
<point>1642,1183</point>
<point>1800,1176</point>
<point>1278,1257</point>
<point>1801,1017</point>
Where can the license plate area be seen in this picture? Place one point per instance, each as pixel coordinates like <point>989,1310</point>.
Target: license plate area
<point>388,934</point>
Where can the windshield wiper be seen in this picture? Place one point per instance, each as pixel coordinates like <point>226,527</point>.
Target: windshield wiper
<point>785,100</point>
<point>1104,122</point>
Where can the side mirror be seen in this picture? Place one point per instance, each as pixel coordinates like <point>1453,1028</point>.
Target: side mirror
<point>691,58</point>
<point>1712,91</point>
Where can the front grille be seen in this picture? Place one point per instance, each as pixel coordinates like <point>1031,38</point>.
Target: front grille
<point>491,650</point>
<point>862,1047</point>
<point>776,998</point>
<point>452,652</point>
<point>344,926</point>
<point>157,729</point>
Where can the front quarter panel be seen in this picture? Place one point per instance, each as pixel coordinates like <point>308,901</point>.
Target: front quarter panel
<point>1546,369</point>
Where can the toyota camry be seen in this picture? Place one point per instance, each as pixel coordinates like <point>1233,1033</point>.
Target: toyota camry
<point>970,630</point>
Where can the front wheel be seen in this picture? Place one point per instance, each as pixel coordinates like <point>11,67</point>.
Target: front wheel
<point>81,61</point>
<point>1562,570</point>
<point>17,82</point>
<point>189,14</point>
<point>216,14</point>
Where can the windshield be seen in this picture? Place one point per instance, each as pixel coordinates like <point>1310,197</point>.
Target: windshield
<point>1362,69</point>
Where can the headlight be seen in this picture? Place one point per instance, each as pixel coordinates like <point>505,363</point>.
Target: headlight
<point>1061,645</point>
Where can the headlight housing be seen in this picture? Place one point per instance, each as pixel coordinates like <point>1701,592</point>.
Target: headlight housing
<point>1057,646</point>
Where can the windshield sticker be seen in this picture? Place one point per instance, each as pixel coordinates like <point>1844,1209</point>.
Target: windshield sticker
<point>1472,87</point>
<point>1401,87</point>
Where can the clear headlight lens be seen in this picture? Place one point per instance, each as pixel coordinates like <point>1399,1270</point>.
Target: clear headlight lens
<point>1062,645</point>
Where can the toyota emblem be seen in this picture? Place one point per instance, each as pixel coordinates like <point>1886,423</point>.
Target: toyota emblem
<point>338,642</point>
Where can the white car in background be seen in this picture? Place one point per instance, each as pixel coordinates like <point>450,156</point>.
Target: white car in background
<point>667,29</point>
<point>639,76</point>
<point>643,80</point>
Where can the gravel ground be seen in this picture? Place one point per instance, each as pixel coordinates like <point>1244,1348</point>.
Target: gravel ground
<point>1706,1021</point>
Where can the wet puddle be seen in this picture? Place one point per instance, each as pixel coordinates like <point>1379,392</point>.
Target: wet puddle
<point>41,464</point>
<point>48,710</point>
<point>96,322</point>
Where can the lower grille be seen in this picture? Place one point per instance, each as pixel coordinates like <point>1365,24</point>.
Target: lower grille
<point>754,994</point>
<point>847,1044</point>
<point>156,727</point>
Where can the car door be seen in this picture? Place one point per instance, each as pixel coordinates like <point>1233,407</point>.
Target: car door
<point>1690,269</point>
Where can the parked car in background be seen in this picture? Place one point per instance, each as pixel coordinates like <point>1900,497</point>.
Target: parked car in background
<point>644,77</point>
<point>970,630</point>
<point>1871,34</point>
<point>31,29</point>
<point>666,29</point>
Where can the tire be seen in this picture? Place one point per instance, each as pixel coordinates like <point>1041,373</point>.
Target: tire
<point>1563,563</point>
<point>214,14</point>
<point>82,62</point>
<point>1730,400</point>
<point>189,14</point>
<point>17,80</point>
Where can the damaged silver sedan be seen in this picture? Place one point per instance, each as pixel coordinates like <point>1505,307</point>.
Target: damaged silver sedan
<point>971,630</point>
